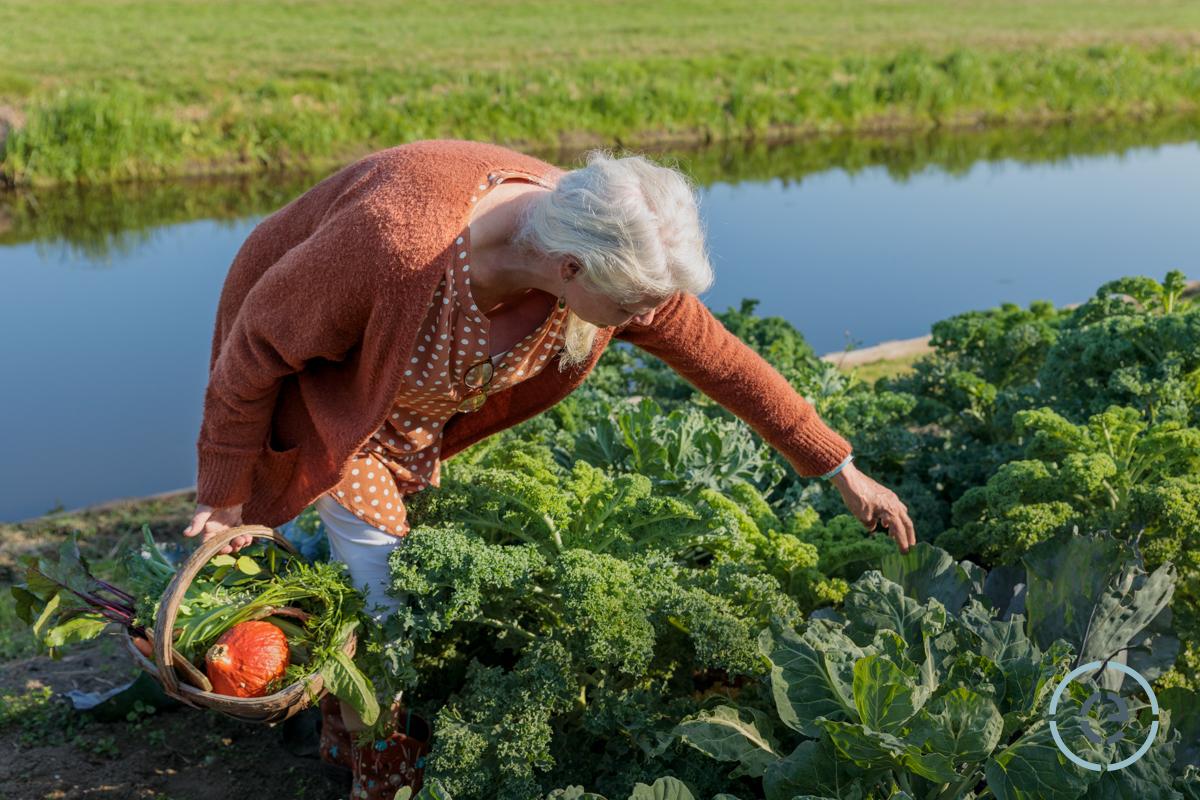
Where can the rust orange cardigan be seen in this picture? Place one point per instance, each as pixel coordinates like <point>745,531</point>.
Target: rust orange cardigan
<point>320,310</point>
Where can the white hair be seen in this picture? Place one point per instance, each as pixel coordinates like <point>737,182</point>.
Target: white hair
<point>633,226</point>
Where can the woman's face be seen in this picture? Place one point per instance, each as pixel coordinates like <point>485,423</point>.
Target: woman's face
<point>599,309</point>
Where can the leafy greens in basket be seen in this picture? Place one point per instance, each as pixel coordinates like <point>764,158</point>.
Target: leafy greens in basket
<point>64,603</point>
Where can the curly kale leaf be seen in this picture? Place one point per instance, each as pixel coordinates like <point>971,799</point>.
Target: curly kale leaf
<point>605,610</point>
<point>846,548</point>
<point>1132,295</point>
<point>1144,354</point>
<point>1116,472</point>
<point>451,575</point>
<point>1002,346</point>
<point>520,495</point>
<point>785,556</point>
<point>492,739</point>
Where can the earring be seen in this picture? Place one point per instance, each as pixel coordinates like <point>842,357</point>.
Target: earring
<point>562,301</point>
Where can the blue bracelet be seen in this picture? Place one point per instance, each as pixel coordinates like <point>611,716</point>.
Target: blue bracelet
<point>839,467</point>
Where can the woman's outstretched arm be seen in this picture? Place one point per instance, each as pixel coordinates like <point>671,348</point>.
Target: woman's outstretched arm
<point>694,343</point>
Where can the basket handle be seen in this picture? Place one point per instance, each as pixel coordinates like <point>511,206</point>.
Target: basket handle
<point>164,625</point>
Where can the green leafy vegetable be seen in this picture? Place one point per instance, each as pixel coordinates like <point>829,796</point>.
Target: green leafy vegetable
<point>901,693</point>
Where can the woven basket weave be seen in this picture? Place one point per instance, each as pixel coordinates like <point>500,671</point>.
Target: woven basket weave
<point>270,708</point>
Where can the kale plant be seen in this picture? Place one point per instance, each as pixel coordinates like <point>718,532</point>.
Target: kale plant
<point>933,683</point>
<point>1141,481</point>
<point>569,662</point>
<point>563,620</point>
<point>1116,472</point>
<point>681,452</point>
<point>1135,343</point>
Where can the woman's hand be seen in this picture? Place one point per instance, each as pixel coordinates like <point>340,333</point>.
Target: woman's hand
<point>211,521</point>
<point>874,504</point>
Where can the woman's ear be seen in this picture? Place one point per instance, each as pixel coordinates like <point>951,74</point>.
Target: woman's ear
<point>569,269</point>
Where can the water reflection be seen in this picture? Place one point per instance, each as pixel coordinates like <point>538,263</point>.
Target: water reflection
<point>103,223</point>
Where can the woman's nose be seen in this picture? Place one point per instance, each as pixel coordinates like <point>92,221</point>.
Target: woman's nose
<point>645,319</point>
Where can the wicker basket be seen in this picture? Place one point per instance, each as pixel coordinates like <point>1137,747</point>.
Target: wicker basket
<point>196,692</point>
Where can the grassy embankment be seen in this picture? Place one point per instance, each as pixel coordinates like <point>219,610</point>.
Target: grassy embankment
<point>136,89</point>
<point>885,368</point>
<point>101,218</point>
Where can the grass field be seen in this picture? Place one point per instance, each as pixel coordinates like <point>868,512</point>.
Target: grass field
<point>186,43</point>
<point>129,88</point>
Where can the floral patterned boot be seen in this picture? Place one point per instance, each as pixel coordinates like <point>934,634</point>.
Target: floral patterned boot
<point>336,742</point>
<point>384,766</point>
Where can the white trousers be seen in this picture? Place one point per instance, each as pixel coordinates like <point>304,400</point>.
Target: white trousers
<point>364,549</point>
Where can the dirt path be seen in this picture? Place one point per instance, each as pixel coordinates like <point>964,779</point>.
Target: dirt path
<point>885,351</point>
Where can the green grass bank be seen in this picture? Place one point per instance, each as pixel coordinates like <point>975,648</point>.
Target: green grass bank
<point>95,92</point>
<point>106,220</point>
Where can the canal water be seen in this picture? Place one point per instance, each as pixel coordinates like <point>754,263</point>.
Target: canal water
<point>109,293</point>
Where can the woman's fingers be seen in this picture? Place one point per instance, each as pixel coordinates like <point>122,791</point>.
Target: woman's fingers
<point>896,531</point>
<point>197,524</point>
<point>912,529</point>
<point>212,521</point>
<point>899,532</point>
<point>902,530</point>
<point>875,505</point>
<point>218,528</point>
<point>899,526</point>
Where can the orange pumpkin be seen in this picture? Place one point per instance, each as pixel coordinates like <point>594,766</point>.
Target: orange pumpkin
<point>246,658</point>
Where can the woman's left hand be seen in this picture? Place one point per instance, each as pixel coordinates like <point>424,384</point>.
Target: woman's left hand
<point>874,504</point>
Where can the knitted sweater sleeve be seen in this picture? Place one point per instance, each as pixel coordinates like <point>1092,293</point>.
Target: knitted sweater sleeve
<point>694,343</point>
<point>310,303</point>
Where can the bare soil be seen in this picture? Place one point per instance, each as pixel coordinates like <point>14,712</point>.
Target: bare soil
<point>56,753</point>
<point>182,754</point>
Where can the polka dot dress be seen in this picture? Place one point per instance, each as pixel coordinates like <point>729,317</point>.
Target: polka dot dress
<point>452,370</point>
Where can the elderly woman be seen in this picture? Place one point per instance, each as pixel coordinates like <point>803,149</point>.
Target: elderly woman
<point>435,293</point>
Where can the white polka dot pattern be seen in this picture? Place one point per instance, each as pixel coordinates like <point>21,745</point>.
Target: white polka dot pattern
<point>402,457</point>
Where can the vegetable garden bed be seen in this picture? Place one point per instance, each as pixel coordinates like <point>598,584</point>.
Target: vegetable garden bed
<point>631,595</point>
